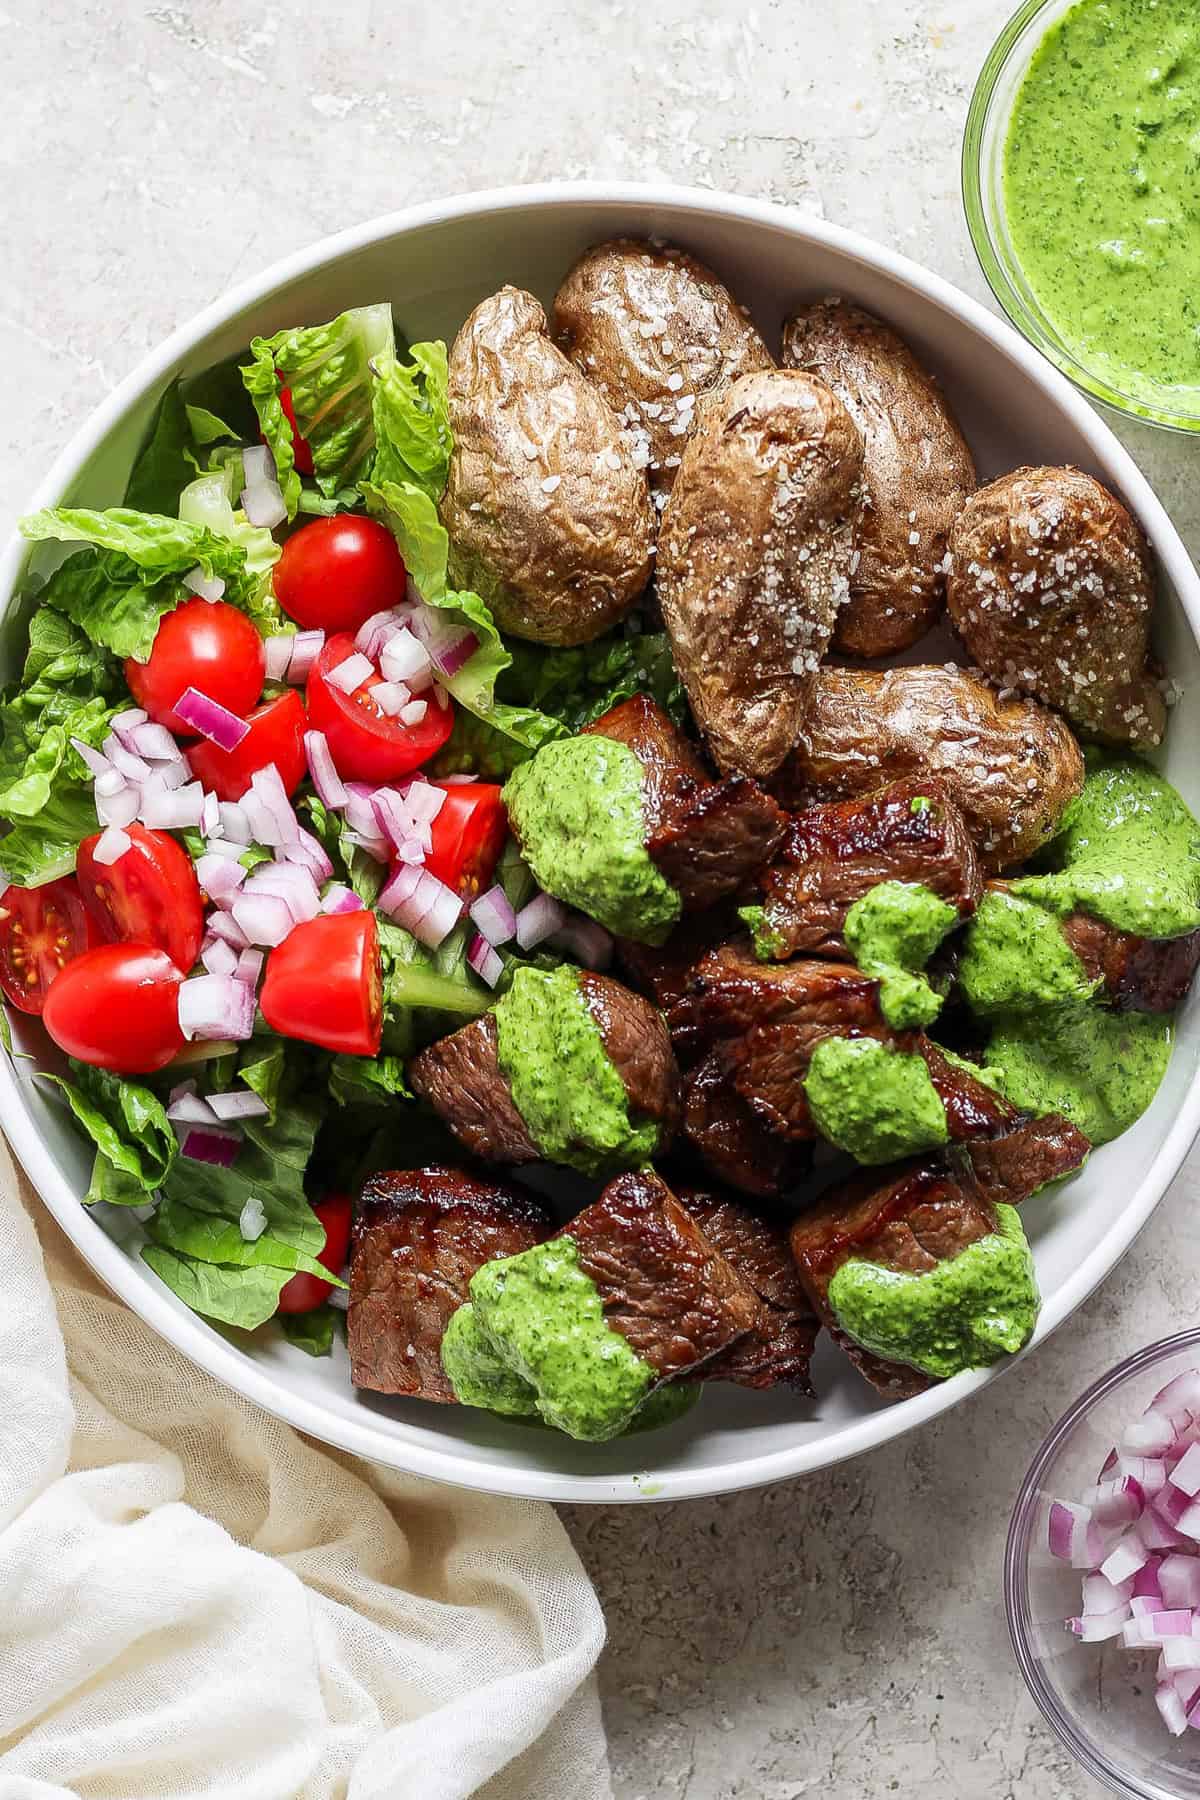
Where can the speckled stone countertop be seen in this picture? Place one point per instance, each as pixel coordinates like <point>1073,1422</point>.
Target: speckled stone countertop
<point>843,1636</point>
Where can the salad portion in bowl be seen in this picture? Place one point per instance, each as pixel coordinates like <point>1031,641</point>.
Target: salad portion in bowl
<point>472,898</point>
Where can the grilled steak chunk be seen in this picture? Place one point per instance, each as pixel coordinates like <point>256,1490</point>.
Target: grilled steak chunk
<point>461,1078</point>
<point>1140,974</point>
<point>663,1285</point>
<point>779,1349</point>
<point>1014,1165</point>
<point>706,837</point>
<point>734,1143</point>
<point>832,855</point>
<point>419,1236</point>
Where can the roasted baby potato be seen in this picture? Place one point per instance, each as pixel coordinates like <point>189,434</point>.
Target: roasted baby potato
<point>1051,588</point>
<point>659,334</point>
<point>549,516</point>
<point>1011,765</point>
<point>917,472</point>
<point>754,558</point>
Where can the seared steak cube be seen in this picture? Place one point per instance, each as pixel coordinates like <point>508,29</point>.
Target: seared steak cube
<point>778,1350</point>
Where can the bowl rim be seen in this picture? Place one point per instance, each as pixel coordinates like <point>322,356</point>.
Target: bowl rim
<point>983,238</point>
<point>1016,1561</point>
<point>369,1436</point>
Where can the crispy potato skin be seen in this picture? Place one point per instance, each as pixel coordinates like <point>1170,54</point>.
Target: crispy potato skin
<point>1011,765</point>
<point>754,558</point>
<point>659,334</point>
<point>549,516</point>
<point>1051,589</point>
<point>917,472</point>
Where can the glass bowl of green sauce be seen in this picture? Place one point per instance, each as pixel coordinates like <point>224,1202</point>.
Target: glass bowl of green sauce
<point>1099,1697</point>
<point>1081,183</point>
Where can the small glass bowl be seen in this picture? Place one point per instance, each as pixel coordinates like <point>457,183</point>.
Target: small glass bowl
<point>1098,1698</point>
<point>983,199</point>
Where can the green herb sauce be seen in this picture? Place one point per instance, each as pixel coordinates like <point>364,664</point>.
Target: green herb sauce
<point>576,808</point>
<point>544,1315</point>
<point>1015,955</point>
<point>1102,1069</point>
<point>872,1100</point>
<point>478,1374</point>
<point>1128,852</point>
<point>1102,190</point>
<point>891,932</point>
<point>769,945</point>
<point>969,1311</point>
<point>564,1084</point>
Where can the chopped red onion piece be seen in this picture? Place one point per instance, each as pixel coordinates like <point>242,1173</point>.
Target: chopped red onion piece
<point>219,958</point>
<point>331,790</point>
<point>414,712</point>
<point>1186,1474</point>
<point>538,920</point>
<point>178,1092</point>
<point>1150,1435</point>
<point>485,961</point>
<point>155,743</point>
<point>278,651</point>
<point>263,505</point>
<point>351,672</point>
<point>210,816</point>
<point>240,1104</point>
<point>374,846</point>
<point>111,782</point>
<point>222,847</point>
<point>1171,1707</point>
<point>1116,1502</point>
<point>340,899</point>
<point>457,780</point>
<point>263,919</point>
<point>412,850</point>
<point>399,889</point>
<point>178,811</point>
<point>234,823</point>
<point>217,1147</point>
<point>268,809</point>
<point>252,1220</point>
<point>215,1006</point>
<point>224,925</point>
<point>425,800</point>
<point>306,647</point>
<point>404,658</point>
<point>165,777</point>
<point>132,767</point>
<point>360,809</point>
<point>391,814</point>
<point>191,1109</point>
<point>391,697</point>
<point>287,882</point>
<point>448,644</point>
<point>119,809</point>
<point>208,587</point>
<point>96,761</point>
<point>127,722</point>
<point>111,846</point>
<point>1181,1653</point>
<point>1097,1627</point>
<point>422,904</point>
<point>250,967</point>
<point>258,465</point>
<point>1179,1580</point>
<point>310,853</point>
<point>212,720</point>
<point>376,631</point>
<point>493,917</point>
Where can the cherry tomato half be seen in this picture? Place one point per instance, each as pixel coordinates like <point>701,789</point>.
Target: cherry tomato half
<point>148,896</point>
<point>276,735</point>
<point>301,454</point>
<point>367,745</point>
<point>324,984</point>
<point>336,572</point>
<point>203,644</point>
<point>118,1007</point>
<point>305,1291</point>
<point>41,930</point>
<point>468,836</point>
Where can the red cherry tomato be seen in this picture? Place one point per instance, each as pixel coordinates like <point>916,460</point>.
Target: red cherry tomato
<point>301,454</point>
<point>276,735</point>
<point>468,836</point>
<point>118,1007</point>
<point>41,930</point>
<point>149,896</point>
<point>365,743</point>
<point>203,644</point>
<point>324,984</point>
<point>305,1291</point>
<point>336,572</point>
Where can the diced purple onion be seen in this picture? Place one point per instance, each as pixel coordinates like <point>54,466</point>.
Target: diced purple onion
<point>258,465</point>
<point>190,1109</point>
<point>250,967</point>
<point>263,919</point>
<point>220,877</point>
<point>222,847</point>
<point>177,811</point>
<point>485,961</point>
<point>493,917</point>
<point>224,925</point>
<point>412,850</point>
<point>111,846</point>
<point>212,720</point>
<point>331,790</point>
<point>178,1092</point>
<point>165,777</point>
<point>391,814</point>
<point>207,587</point>
<point>234,823</point>
<point>422,904</point>
<point>360,810</point>
<point>120,809</point>
<point>425,800</point>
<point>252,1220</point>
<point>278,652</point>
<point>414,712</point>
<point>217,1147</point>
<point>538,920</point>
<point>268,809</point>
<point>351,672</point>
<point>448,644</point>
<point>287,882</point>
<point>376,631</point>
<point>306,647</point>
<point>404,658</point>
<point>132,767</point>
<point>96,760</point>
<point>219,958</point>
<point>340,899</point>
<point>374,846</point>
<point>126,723</point>
<point>457,780</point>
<point>240,1104</point>
<point>215,1006</point>
<point>391,697</point>
<point>155,743</point>
<point>210,817</point>
<point>263,505</point>
<point>310,853</point>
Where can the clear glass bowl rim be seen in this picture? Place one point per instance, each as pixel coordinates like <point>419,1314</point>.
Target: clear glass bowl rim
<point>1008,296</point>
<point>1016,1560</point>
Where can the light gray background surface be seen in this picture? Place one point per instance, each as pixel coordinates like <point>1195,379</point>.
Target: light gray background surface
<point>842,1636</point>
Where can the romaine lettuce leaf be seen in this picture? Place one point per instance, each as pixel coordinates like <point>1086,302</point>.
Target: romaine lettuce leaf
<point>578,685</point>
<point>310,1331</point>
<point>129,1127</point>
<point>412,420</point>
<point>368,1080</point>
<point>328,370</point>
<point>233,1295</point>
<point>208,502</point>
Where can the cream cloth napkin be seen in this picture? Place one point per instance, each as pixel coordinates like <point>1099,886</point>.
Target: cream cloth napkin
<point>196,1601</point>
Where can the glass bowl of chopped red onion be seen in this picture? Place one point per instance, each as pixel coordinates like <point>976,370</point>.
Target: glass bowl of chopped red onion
<point>1102,1575</point>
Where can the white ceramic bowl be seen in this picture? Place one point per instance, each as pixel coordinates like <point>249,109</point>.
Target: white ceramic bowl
<point>434,262</point>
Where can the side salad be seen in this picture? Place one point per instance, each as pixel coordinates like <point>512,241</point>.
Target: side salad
<point>256,852</point>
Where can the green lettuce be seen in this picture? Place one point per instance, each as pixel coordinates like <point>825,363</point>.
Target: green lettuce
<point>413,440</point>
<point>310,1331</point>
<point>193,413</point>
<point>577,685</point>
<point>328,370</point>
<point>351,864</point>
<point>129,1126</point>
<point>368,1080</point>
